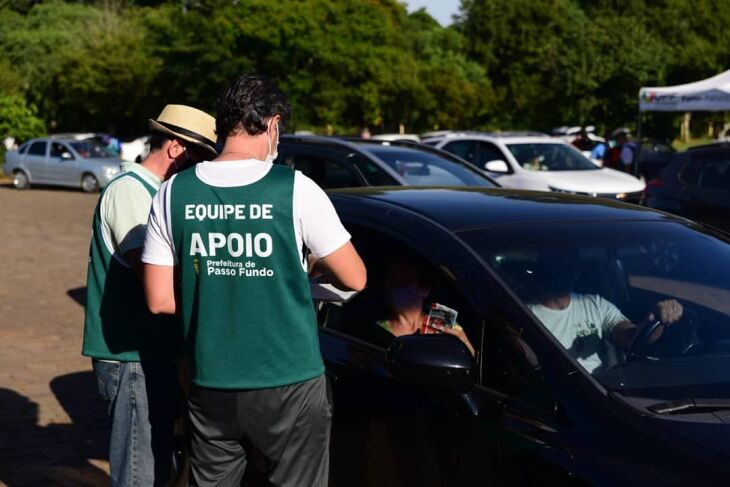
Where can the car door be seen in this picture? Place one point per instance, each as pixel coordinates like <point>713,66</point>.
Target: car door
<point>389,431</point>
<point>34,161</point>
<point>62,167</point>
<point>329,168</point>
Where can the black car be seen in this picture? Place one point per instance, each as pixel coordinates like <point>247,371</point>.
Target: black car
<point>651,157</point>
<point>696,185</point>
<point>419,410</point>
<point>339,163</point>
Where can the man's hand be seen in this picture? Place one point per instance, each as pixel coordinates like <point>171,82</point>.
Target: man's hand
<point>668,312</point>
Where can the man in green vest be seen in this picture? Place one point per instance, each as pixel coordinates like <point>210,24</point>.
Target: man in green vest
<point>230,233</point>
<point>132,350</point>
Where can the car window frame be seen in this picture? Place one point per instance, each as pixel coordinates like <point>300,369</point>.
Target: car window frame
<point>698,184</point>
<point>510,169</point>
<point>475,148</point>
<point>38,142</point>
<point>289,149</point>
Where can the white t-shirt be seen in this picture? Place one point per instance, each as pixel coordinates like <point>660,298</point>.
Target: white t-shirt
<point>316,224</point>
<point>582,326</point>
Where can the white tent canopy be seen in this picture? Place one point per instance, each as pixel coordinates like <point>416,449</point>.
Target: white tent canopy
<point>708,95</point>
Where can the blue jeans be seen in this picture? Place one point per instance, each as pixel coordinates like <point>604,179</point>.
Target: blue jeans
<point>143,398</point>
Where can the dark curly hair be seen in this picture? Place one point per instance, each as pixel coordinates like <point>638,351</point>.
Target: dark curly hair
<point>247,104</point>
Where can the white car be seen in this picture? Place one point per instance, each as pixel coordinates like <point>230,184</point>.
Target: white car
<point>136,150</point>
<point>539,162</point>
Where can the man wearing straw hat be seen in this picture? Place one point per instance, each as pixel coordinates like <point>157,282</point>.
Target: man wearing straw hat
<point>133,351</point>
<point>233,230</point>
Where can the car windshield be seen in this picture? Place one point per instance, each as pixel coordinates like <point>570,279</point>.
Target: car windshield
<point>92,150</point>
<point>581,280</point>
<point>550,156</point>
<point>421,168</point>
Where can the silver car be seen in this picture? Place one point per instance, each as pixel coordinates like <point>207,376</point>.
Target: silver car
<point>62,161</point>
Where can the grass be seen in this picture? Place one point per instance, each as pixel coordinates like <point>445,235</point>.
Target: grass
<point>681,146</point>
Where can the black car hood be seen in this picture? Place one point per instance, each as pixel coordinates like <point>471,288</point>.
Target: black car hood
<point>708,430</point>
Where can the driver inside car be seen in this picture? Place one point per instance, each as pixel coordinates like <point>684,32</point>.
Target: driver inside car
<point>581,322</point>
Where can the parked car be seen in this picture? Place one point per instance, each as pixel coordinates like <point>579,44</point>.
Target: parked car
<point>135,150</point>
<point>397,137</point>
<point>538,162</point>
<point>338,163</point>
<point>62,161</point>
<point>419,410</point>
<point>695,185</point>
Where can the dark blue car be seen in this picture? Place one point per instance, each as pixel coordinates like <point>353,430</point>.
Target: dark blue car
<point>696,185</point>
<point>420,410</point>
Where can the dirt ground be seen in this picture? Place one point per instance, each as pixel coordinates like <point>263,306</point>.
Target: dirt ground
<point>52,424</point>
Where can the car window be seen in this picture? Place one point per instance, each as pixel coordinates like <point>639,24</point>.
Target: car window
<point>325,171</point>
<point>89,149</point>
<point>24,148</point>
<point>366,316</point>
<point>488,152</point>
<point>715,175</point>
<point>690,171</point>
<point>546,156</point>
<point>58,149</point>
<point>466,149</point>
<point>579,289</point>
<point>37,149</point>
<point>421,168</point>
<point>374,175</point>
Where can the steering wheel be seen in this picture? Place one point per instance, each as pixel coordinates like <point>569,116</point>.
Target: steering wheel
<point>640,346</point>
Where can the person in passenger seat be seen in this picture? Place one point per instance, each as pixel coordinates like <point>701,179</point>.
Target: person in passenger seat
<point>407,286</point>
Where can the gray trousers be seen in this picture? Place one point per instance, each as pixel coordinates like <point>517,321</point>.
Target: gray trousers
<point>289,426</point>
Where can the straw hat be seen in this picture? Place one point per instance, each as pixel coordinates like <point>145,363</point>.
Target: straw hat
<point>187,123</point>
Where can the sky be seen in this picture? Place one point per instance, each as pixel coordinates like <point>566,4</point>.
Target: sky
<point>441,10</point>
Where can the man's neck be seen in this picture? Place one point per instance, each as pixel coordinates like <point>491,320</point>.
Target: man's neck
<point>558,302</point>
<point>157,164</point>
<point>244,146</point>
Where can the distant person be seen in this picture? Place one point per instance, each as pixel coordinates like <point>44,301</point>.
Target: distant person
<point>621,155</point>
<point>133,351</point>
<point>230,236</point>
<point>581,141</point>
<point>598,152</point>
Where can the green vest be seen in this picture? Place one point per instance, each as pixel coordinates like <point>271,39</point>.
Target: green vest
<point>118,324</point>
<point>246,300</point>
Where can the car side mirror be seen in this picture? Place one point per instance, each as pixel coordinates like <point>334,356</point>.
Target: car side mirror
<point>496,165</point>
<point>66,156</point>
<point>432,360</point>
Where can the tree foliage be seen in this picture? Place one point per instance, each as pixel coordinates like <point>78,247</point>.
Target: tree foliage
<point>349,64</point>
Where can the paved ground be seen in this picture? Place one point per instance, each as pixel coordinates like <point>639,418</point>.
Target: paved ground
<point>52,425</point>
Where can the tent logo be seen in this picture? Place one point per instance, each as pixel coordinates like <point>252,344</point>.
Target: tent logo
<point>648,96</point>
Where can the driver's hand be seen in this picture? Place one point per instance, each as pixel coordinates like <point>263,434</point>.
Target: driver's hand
<point>668,312</point>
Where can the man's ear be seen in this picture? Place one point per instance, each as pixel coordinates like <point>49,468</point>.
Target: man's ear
<point>174,148</point>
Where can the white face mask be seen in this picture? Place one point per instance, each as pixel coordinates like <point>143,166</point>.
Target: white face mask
<point>271,157</point>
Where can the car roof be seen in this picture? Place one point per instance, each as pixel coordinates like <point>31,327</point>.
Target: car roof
<point>714,146</point>
<point>466,208</point>
<point>506,137</point>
